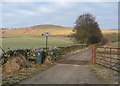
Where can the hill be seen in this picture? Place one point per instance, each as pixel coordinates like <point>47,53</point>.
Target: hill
<point>46,26</point>
<point>52,29</point>
<point>109,31</point>
<point>39,29</point>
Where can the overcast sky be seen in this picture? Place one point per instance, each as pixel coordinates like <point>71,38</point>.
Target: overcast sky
<point>23,14</point>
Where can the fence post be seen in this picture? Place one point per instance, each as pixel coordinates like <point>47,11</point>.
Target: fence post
<point>93,54</point>
<point>110,59</point>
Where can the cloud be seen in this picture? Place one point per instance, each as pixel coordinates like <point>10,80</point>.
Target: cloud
<point>87,9</point>
<point>60,0</point>
<point>8,14</point>
<point>46,10</point>
<point>17,0</point>
<point>26,12</point>
<point>59,13</point>
<point>63,4</point>
<point>53,7</point>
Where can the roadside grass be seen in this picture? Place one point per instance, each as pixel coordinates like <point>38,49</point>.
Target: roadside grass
<point>107,76</point>
<point>32,41</point>
<point>24,74</point>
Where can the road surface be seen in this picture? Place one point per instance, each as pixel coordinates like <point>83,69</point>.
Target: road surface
<point>72,70</point>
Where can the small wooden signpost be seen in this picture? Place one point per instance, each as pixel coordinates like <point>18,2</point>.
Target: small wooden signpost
<point>46,35</point>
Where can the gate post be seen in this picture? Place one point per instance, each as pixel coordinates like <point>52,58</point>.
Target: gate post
<point>93,54</point>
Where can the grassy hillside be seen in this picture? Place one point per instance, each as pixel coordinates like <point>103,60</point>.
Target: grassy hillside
<point>38,30</point>
<point>109,31</point>
<point>30,37</point>
<point>32,41</point>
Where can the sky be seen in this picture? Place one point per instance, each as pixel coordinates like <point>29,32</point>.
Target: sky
<point>25,14</point>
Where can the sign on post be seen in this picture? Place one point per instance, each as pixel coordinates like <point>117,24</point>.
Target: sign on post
<point>46,35</point>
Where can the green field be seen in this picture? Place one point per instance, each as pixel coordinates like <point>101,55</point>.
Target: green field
<point>117,44</point>
<point>32,41</point>
<point>37,41</point>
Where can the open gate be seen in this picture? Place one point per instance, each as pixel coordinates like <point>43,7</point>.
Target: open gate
<point>106,56</point>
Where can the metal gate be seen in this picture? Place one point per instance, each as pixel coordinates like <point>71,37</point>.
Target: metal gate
<point>106,56</point>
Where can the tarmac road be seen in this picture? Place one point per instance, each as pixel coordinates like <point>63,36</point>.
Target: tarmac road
<point>72,70</point>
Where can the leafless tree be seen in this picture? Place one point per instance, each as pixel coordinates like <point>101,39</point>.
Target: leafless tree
<point>86,30</point>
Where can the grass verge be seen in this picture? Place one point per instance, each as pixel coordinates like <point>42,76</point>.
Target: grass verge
<point>24,74</point>
<point>107,76</point>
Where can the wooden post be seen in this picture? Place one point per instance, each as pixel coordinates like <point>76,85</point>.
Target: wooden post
<point>46,41</point>
<point>93,54</point>
<point>110,59</point>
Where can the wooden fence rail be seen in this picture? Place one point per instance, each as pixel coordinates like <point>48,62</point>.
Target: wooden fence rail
<point>106,56</point>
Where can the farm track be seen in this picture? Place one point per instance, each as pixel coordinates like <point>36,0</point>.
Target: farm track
<point>72,70</point>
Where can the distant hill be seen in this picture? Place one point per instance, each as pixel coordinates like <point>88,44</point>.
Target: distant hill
<point>46,26</point>
<point>40,29</point>
<point>108,31</point>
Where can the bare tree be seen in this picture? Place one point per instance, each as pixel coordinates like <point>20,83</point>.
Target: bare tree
<point>86,30</point>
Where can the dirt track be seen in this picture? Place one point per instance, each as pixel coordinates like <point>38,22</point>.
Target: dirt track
<point>72,70</point>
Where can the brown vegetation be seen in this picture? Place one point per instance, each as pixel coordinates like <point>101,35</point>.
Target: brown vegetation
<point>39,29</point>
<point>15,64</point>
